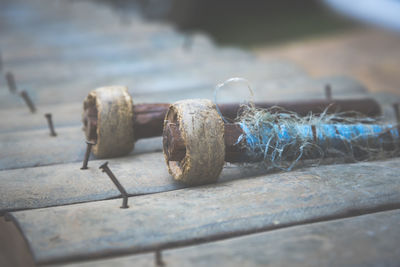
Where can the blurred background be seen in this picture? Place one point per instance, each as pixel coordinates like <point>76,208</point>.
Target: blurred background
<point>242,23</point>
<point>358,38</point>
<point>253,22</point>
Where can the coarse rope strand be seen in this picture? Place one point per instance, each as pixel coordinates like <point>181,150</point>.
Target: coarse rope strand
<point>282,138</point>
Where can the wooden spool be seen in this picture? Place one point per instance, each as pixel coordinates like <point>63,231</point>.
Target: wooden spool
<point>111,126</point>
<point>203,134</point>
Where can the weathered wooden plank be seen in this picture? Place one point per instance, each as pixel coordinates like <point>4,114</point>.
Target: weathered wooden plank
<point>20,118</point>
<point>209,212</point>
<point>21,17</point>
<point>55,185</point>
<point>270,80</point>
<point>37,148</point>
<point>138,54</point>
<point>368,240</point>
<point>176,78</point>
<point>67,184</point>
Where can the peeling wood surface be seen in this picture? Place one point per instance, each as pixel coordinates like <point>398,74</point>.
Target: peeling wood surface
<point>210,212</point>
<point>370,240</point>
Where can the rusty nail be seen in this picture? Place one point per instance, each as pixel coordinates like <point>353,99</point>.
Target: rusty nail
<point>104,167</point>
<point>159,261</point>
<point>28,101</point>
<point>396,107</point>
<point>50,123</point>
<point>87,154</point>
<point>1,62</point>
<point>328,92</point>
<point>11,82</point>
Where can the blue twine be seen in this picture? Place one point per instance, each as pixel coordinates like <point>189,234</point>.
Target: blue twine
<point>275,143</point>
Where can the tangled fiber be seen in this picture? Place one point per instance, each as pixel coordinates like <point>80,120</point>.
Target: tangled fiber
<point>281,138</point>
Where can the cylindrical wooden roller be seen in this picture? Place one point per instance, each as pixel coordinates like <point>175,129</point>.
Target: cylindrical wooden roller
<point>108,119</point>
<point>112,121</point>
<point>202,132</point>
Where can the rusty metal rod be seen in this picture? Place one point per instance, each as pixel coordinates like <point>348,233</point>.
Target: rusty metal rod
<point>1,62</point>
<point>386,137</point>
<point>328,92</point>
<point>149,118</point>
<point>396,108</point>
<point>366,106</point>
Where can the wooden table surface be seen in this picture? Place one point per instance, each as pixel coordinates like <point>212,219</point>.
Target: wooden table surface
<point>51,212</point>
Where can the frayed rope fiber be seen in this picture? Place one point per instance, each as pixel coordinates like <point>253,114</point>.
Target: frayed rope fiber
<point>281,139</point>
